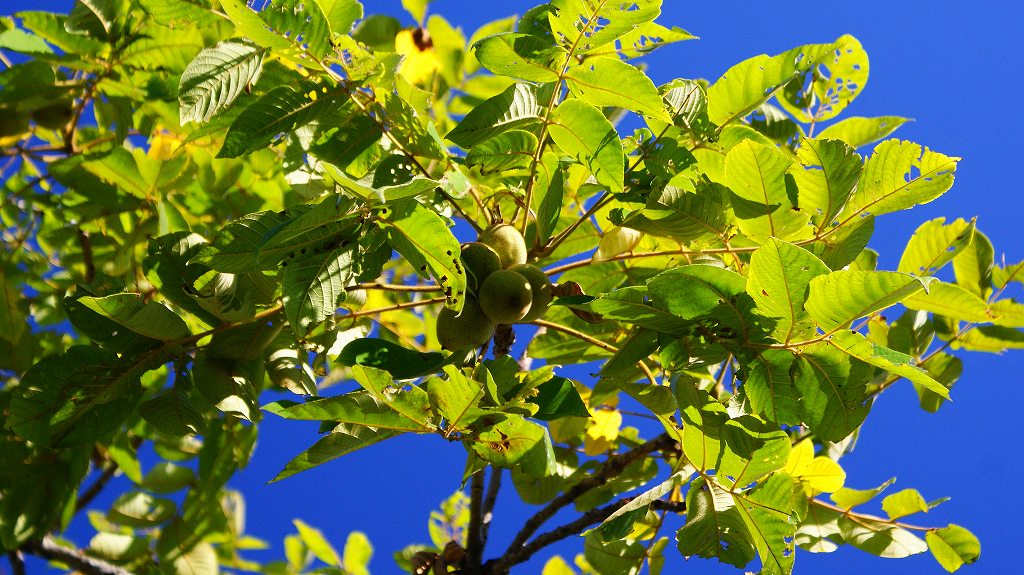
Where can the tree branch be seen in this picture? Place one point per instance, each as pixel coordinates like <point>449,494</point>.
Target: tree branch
<point>488,508</point>
<point>50,549</point>
<point>611,468</point>
<point>474,538</point>
<point>17,562</point>
<point>97,486</point>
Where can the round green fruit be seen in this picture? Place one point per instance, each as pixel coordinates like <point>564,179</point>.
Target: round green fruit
<point>505,296</point>
<point>480,261</point>
<point>507,242</point>
<point>540,285</point>
<point>469,329</point>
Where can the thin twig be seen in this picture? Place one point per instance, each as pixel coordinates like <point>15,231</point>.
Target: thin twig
<point>394,287</point>
<point>73,558</point>
<point>577,334</point>
<point>396,307</point>
<point>86,244</point>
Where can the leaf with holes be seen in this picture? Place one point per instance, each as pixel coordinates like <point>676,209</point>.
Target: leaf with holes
<point>826,176</point>
<point>422,237</point>
<point>900,175</point>
<point>779,279</point>
<point>896,363</point>
<point>753,82</point>
<point>831,86</point>
<point>216,77</point>
<point>582,26</point>
<point>312,285</point>
<point>508,151</point>
<point>934,244</point>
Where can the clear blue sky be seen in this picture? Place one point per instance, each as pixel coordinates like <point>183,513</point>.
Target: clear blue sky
<point>951,66</point>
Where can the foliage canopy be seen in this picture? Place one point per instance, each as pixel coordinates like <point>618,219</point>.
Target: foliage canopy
<point>210,204</point>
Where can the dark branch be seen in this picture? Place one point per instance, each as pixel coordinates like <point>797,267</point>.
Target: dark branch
<point>97,486</point>
<point>73,558</point>
<point>474,539</point>
<point>611,468</point>
<point>86,243</point>
<point>17,562</point>
<point>488,510</point>
<point>504,338</point>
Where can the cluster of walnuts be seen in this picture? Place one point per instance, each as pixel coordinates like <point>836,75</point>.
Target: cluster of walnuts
<point>503,289</point>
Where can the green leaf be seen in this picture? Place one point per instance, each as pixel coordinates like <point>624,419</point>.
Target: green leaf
<point>199,559</point>
<point>953,546</point>
<point>612,82</point>
<point>235,248</point>
<point>778,280</point>
<point>138,509</point>
<point>317,543</point>
<point>832,392</point>
<point>858,131</point>
<point>74,398</point>
<point>684,216</point>
<point>136,173</point>
<point>857,346</point>
<point>756,174</point>
<point>216,77</point>
<point>558,398</point>
<point>934,244</point>
<point>582,26</point>
<point>769,387</point>
<point>422,238</point>
<point>151,319</point>
<point>900,175</point>
<point>313,285</point>
<point>952,301</point>
<point>880,538</point>
<point>94,18</point>
<point>302,25</point>
<point>973,266</point>
<point>903,503</point>
<point>849,498</point>
<point>21,41</point>
<point>513,109</point>
<point>752,82</point>
<point>360,408</point>
<point>522,56</point>
<point>506,441</point>
<point>341,14</point>
<point>281,110</point>
<point>117,546</point>
<point>841,297</point>
<point>172,413</point>
<point>455,398</point>
<point>166,477</point>
<point>630,305</point>
<point>826,176</point>
<point>342,440</point>
<point>583,132</point>
<point>357,554</point>
<point>507,151</point>
<point>229,384</point>
<point>714,526</point>
<point>162,48</point>
<point>769,512</point>
<point>400,362</point>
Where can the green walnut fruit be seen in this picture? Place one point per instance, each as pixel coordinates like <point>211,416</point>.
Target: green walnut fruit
<point>505,296</point>
<point>540,285</point>
<point>507,242</point>
<point>466,330</point>
<point>480,261</point>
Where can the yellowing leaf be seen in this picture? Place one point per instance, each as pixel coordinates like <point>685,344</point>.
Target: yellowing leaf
<point>420,61</point>
<point>817,474</point>
<point>602,431</point>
